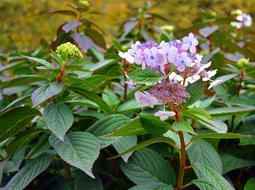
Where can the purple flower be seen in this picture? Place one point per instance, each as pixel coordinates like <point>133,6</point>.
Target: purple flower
<point>183,61</point>
<point>145,99</point>
<point>190,42</point>
<point>164,115</point>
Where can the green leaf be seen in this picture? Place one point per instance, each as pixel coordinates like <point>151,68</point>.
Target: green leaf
<point>152,186</point>
<point>103,128</point>
<point>79,149</point>
<point>15,102</point>
<point>147,166</point>
<point>24,80</point>
<point>82,102</point>
<point>13,120</point>
<point>110,97</point>
<point>222,79</point>
<point>82,181</point>
<point>93,97</point>
<point>147,143</point>
<point>203,184</point>
<point>207,173</point>
<point>153,124</point>
<point>128,106</point>
<point>196,91</point>
<point>204,103</point>
<point>175,137</point>
<point>13,165</point>
<point>250,184</point>
<point>146,76</point>
<point>45,92</point>
<point>218,136</point>
<point>59,118</point>
<point>231,163</point>
<point>22,140</point>
<point>30,171</point>
<point>183,126</point>
<point>134,127</point>
<point>218,112</point>
<point>40,61</point>
<point>203,152</point>
<point>204,119</point>
<point>123,144</point>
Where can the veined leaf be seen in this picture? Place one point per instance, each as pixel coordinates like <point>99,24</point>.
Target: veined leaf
<point>146,76</point>
<point>153,124</point>
<point>45,92</point>
<point>59,118</point>
<point>203,184</point>
<point>183,126</point>
<point>217,136</point>
<point>30,171</point>
<point>41,61</point>
<point>82,181</point>
<point>230,111</point>
<point>130,105</point>
<point>250,184</point>
<point>152,186</point>
<point>79,149</point>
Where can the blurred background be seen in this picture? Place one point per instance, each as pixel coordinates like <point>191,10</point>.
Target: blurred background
<point>25,22</point>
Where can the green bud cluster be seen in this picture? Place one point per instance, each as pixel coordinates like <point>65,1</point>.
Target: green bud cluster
<point>243,63</point>
<point>83,3</point>
<point>69,50</point>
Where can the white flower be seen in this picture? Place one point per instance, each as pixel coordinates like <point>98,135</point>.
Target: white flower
<point>125,55</point>
<point>215,83</point>
<point>164,115</point>
<point>245,19</point>
<point>209,75</point>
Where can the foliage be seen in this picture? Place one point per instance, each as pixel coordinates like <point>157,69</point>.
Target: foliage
<point>75,115</point>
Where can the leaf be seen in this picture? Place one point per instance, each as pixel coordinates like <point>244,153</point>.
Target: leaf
<point>134,127</point>
<point>215,125</point>
<point>97,37</point>
<point>222,79</point>
<point>219,182</point>
<point>13,165</point>
<point>65,12</point>
<point>203,152</point>
<point>24,80</point>
<point>152,186</point>
<point>207,31</point>
<point>45,92</point>
<point>204,103</point>
<point>217,136</point>
<point>175,137</point>
<point>13,120</point>
<point>130,105</point>
<point>146,76</point>
<point>153,124</point>
<point>22,140</point>
<point>59,118</point>
<point>82,102</point>
<point>230,111</point>
<point>209,56</point>
<point>71,25</point>
<point>41,61</point>
<point>79,149</point>
<point>250,184</point>
<point>82,181</point>
<point>147,143</point>
<point>183,126</point>
<point>123,144</point>
<point>110,97</point>
<point>196,91</point>
<point>93,97</point>
<point>83,41</point>
<point>30,171</point>
<point>203,184</point>
<point>147,166</point>
<point>103,128</point>
<point>231,163</point>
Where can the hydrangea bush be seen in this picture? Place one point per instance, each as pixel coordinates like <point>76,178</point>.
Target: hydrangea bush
<point>159,108</point>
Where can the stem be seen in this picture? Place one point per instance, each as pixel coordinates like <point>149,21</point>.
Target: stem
<point>125,80</point>
<point>182,162</point>
<point>68,170</point>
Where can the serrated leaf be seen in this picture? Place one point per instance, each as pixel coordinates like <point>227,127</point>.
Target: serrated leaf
<point>13,120</point>
<point>110,97</point>
<point>23,80</point>
<point>30,171</point>
<point>103,128</point>
<point>130,105</point>
<point>146,76</point>
<point>183,126</point>
<point>59,118</point>
<point>147,166</point>
<point>134,127</point>
<point>45,92</point>
<point>196,91</point>
<point>218,136</point>
<point>153,124</point>
<point>79,149</point>
<point>146,143</point>
<point>231,163</point>
<point>203,184</point>
<point>206,172</point>
<point>203,152</point>
<point>123,144</point>
<point>230,111</point>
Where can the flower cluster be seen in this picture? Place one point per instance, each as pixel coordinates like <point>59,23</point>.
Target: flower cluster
<point>179,55</point>
<point>69,49</point>
<point>178,60</point>
<point>243,19</point>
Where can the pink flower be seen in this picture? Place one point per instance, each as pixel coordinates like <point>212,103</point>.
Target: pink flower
<point>164,115</point>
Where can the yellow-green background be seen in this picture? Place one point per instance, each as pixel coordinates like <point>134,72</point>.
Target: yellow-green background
<point>24,22</point>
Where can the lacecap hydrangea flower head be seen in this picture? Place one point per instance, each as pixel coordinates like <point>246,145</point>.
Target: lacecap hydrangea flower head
<point>177,60</point>
<point>243,19</point>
